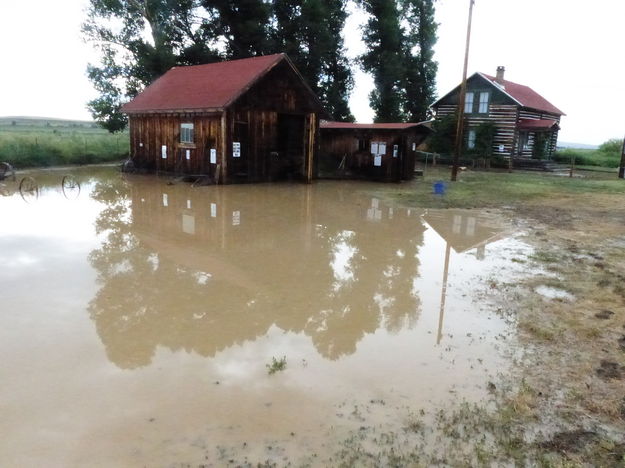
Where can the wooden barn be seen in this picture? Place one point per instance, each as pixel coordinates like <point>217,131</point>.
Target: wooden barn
<point>523,118</point>
<point>381,151</point>
<point>249,120</point>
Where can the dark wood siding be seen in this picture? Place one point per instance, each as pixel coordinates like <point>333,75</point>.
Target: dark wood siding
<point>347,153</point>
<point>150,132</point>
<point>275,122</point>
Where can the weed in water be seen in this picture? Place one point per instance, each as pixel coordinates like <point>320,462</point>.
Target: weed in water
<point>276,365</point>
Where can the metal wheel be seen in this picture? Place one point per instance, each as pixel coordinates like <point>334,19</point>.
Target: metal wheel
<point>70,186</point>
<point>29,189</point>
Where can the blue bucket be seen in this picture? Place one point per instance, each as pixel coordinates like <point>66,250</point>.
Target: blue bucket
<point>439,187</point>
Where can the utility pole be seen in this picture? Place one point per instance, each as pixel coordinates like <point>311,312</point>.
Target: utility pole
<point>461,98</point>
<point>621,169</point>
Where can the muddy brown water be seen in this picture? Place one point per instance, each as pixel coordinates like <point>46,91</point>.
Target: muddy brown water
<point>138,318</point>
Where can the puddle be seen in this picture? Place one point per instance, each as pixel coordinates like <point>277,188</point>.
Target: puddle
<point>139,319</point>
<point>554,293</point>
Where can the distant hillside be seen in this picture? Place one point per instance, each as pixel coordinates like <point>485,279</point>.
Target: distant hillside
<point>565,144</point>
<point>26,121</point>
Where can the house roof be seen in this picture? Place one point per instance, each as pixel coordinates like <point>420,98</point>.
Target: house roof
<point>370,126</point>
<point>213,86</point>
<point>525,95</point>
<point>521,94</point>
<point>546,124</point>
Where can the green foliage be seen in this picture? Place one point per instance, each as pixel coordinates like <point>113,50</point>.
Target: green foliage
<point>444,136</point>
<point>400,37</point>
<point>612,146</point>
<point>384,59</point>
<point>244,25</point>
<point>309,31</point>
<point>421,68</point>
<point>39,145</point>
<point>608,155</point>
<point>484,140</point>
<point>138,42</point>
<point>276,365</point>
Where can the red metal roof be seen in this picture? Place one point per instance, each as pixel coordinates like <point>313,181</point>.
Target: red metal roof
<point>211,86</point>
<point>526,96</point>
<point>369,126</point>
<point>537,124</point>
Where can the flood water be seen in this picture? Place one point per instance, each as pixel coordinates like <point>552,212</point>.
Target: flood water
<point>138,318</point>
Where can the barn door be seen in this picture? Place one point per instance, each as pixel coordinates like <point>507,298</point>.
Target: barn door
<point>289,162</point>
<point>240,152</point>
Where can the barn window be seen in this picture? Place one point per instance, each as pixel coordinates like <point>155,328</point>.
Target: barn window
<point>186,133</point>
<point>471,139</point>
<point>468,103</point>
<point>483,108</point>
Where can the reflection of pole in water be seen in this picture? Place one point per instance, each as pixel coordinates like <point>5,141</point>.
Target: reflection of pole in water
<point>443,294</point>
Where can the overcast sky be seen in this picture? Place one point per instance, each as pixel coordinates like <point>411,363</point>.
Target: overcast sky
<point>570,51</point>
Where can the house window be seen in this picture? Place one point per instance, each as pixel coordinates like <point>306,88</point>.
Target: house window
<point>468,103</point>
<point>483,108</point>
<point>524,140</point>
<point>471,139</point>
<point>186,133</point>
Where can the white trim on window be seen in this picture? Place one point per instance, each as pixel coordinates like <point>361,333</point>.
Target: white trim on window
<point>468,103</point>
<point>471,139</point>
<point>186,133</point>
<point>484,98</point>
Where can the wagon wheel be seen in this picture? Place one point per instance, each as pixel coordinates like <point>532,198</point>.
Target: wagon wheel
<point>29,188</point>
<point>70,186</point>
<point>6,171</point>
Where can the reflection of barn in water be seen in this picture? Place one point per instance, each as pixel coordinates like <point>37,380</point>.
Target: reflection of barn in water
<point>211,267</point>
<point>462,230</point>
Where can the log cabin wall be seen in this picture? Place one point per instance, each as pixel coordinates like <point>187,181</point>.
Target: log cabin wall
<point>552,138</point>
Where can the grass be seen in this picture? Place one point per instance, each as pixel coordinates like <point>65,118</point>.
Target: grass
<point>26,142</point>
<point>492,189</point>
<point>602,157</point>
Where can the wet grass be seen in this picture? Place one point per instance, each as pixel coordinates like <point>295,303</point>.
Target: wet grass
<point>43,143</point>
<point>491,189</point>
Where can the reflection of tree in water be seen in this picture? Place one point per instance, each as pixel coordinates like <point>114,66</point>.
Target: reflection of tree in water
<point>204,269</point>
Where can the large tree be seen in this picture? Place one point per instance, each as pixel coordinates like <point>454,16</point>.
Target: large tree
<point>310,32</point>
<point>138,41</point>
<point>244,26</point>
<point>400,36</point>
<point>421,68</point>
<point>384,58</point>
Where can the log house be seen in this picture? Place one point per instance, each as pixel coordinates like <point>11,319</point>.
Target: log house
<point>519,113</point>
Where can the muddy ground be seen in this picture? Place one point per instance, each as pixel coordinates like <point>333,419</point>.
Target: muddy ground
<point>564,402</point>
